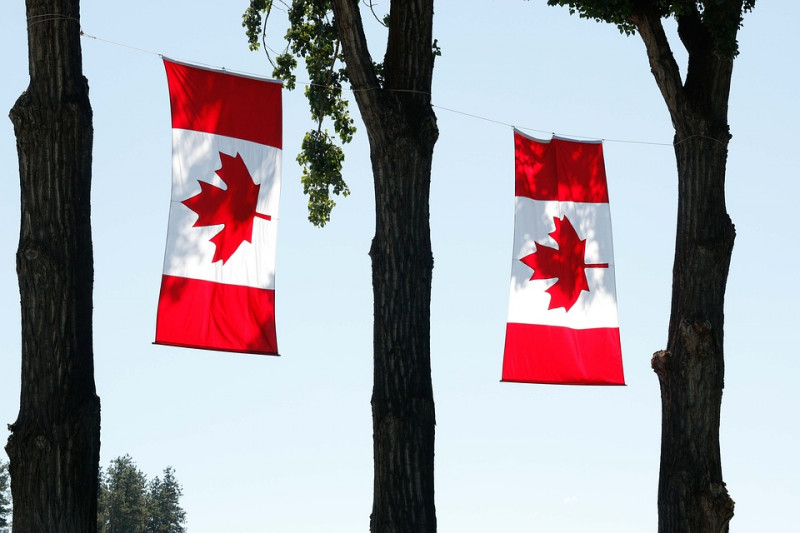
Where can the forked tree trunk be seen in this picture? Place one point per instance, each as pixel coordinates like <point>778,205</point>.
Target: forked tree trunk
<point>54,443</point>
<point>402,131</point>
<point>691,493</point>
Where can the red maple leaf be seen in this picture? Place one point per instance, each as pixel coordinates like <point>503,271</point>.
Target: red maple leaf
<point>234,207</point>
<point>565,263</point>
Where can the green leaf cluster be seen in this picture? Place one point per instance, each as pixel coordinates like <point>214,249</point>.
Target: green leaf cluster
<point>721,18</point>
<point>127,503</point>
<point>312,35</point>
<point>616,12</point>
<point>321,159</point>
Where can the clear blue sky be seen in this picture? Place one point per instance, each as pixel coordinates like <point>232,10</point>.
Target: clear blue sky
<point>285,444</point>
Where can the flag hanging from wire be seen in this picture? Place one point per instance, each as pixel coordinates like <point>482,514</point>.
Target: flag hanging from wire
<point>218,282</point>
<point>562,319</point>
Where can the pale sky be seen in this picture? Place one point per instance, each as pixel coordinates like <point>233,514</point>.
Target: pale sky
<point>285,444</point>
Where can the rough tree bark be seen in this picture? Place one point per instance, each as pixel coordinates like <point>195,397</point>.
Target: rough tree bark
<point>691,493</point>
<point>402,131</point>
<point>54,443</point>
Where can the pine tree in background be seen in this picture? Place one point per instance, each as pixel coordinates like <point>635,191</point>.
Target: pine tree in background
<point>122,506</point>
<point>5,498</point>
<point>165,514</point>
<point>128,503</point>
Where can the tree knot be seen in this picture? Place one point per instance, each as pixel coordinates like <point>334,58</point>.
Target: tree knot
<point>723,504</point>
<point>696,336</point>
<point>40,442</point>
<point>659,363</point>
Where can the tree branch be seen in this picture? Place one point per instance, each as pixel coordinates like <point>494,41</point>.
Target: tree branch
<point>360,68</point>
<point>662,61</point>
<point>409,55</point>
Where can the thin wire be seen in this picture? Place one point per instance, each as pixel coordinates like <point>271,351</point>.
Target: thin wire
<point>412,91</point>
<point>145,51</point>
<point>84,34</point>
<point>479,117</point>
<point>48,17</point>
<point>702,137</point>
<point>471,115</point>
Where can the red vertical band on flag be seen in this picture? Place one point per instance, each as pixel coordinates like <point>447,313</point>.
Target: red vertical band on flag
<point>204,314</point>
<point>557,355</point>
<point>560,170</point>
<point>227,104</point>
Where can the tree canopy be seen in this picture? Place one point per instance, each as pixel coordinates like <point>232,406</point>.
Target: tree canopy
<point>164,511</point>
<point>128,503</point>
<point>721,19</point>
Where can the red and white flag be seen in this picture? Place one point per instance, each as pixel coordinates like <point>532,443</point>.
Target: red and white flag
<point>562,317</point>
<point>218,284</point>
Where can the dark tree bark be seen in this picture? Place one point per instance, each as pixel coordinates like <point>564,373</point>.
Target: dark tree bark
<point>402,131</point>
<point>691,493</point>
<point>54,443</point>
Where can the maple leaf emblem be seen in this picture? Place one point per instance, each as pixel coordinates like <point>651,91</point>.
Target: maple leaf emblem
<point>234,207</point>
<point>565,263</point>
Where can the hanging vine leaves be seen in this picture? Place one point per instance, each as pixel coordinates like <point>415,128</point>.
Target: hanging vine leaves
<point>312,35</point>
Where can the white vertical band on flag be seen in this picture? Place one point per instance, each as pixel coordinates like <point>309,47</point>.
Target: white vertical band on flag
<point>528,301</point>
<point>189,251</point>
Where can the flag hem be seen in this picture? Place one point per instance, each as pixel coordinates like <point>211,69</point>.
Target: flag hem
<point>212,349</point>
<point>585,383</point>
<point>222,70</point>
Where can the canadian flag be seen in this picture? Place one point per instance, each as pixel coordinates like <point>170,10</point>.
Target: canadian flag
<point>562,317</point>
<point>218,283</point>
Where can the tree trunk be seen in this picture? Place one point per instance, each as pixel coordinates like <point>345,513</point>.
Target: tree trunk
<point>402,397</point>
<point>691,493</point>
<point>402,132</point>
<point>54,443</point>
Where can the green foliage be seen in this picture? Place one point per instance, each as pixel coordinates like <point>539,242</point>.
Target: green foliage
<point>5,497</point>
<point>312,36</point>
<point>121,498</point>
<point>721,18</point>
<point>614,11</point>
<point>252,21</point>
<point>165,514</point>
<point>127,503</point>
<point>321,159</point>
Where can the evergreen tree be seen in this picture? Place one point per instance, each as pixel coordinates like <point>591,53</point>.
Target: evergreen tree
<point>5,498</point>
<point>102,497</point>
<point>122,499</point>
<point>164,513</point>
<point>127,503</point>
